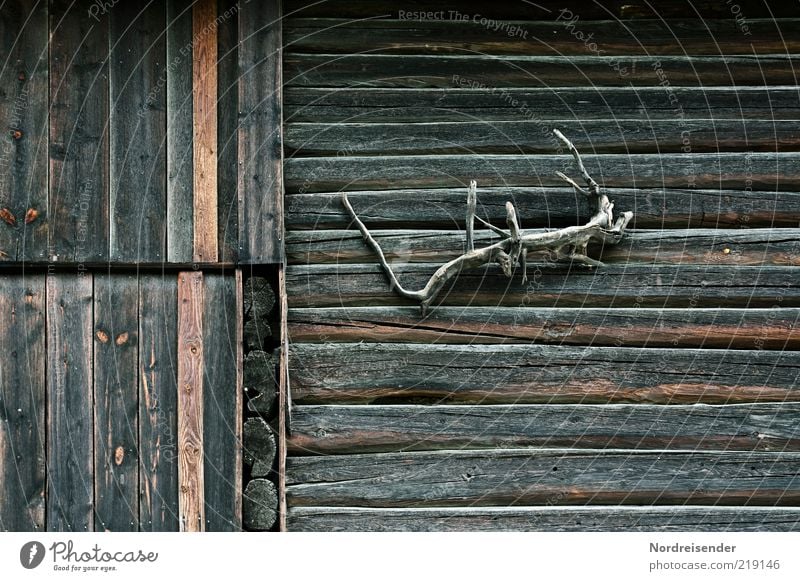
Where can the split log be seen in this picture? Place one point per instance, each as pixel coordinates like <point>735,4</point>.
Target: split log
<point>259,297</point>
<point>259,447</point>
<point>260,505</point>
<point>260,382</point>
<point>258,334</point>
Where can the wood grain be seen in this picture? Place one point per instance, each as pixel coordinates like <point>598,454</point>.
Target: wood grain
<point>362,373</point>
<point>227,132</point>
<point>285,405</point>
<point>22,402</point>
<point>191,305</point>
<point>70,438</point>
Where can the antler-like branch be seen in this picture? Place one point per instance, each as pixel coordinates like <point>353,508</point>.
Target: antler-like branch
<point>567,243</point>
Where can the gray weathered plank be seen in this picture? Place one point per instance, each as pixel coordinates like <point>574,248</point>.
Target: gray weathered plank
<point>518,374</point>
<point>22,402</point>
<point>748,328</point>
<point>70,438</point>
<point>544,477</point>
<point>116,402</point>
<point>227,130</point>
<point>546,519</point>
<point>343,429</point>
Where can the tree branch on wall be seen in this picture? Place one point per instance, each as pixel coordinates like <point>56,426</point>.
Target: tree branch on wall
<point>566,244</point>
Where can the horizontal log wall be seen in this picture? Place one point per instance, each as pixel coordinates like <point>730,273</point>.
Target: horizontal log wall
<point>585,399</point>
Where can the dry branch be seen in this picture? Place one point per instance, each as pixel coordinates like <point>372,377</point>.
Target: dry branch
<point>565,244</point>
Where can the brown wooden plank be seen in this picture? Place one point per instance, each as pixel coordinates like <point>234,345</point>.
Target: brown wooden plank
<point>138,73</point>
<point>489,71</point>
<point>116,402</point>
<point>751,247</point>
<point>227,138</point>
<point>260,182</point>
<point>70,438</point>
<point>204,85</point>
<point>544,477</point>
<point>78,133</point>
<point>552,285</point>
<point>22,402</point>
<point>191,305</point>
<point>520,374</point>
<point>24,117</point>
<point>473,34</point>
<point>546,519</point>
<point>375,105</point>
<point>158,405</point>
<point>357,429</point>
<point>222,403</point>
<point>180,127</point>
<point>712,328</point>
<point>736,171</point>
<point>547,207</point>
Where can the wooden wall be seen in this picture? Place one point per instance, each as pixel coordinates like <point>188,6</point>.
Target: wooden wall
<point>656,392</point>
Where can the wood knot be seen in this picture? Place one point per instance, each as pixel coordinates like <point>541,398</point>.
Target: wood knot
<point>102,336</point>
<point>16,134</point>
<point>21,76</point>
<point>31,215</point>
<point>119,455</point>
<point>8,217</point>
<point>193,349</point>
<point>122,338</point>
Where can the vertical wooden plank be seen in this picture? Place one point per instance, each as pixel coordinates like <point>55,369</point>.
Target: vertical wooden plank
<point>70,439</point>
<point>205,130</point>
<point>227,131</point>
<point>260,151</point>
<point>158,403</point>
<point>138,132</point>
<point>116,405</point>
<point>23,121</point>
<point>78,206</point>
<point>284,398</point>
<point>22,400</point>
<point>190,401</point>
<point>179,131</point>
<point>222,403</point>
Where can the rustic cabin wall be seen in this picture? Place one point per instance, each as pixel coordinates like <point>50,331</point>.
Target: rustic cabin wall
<point>658,392</point>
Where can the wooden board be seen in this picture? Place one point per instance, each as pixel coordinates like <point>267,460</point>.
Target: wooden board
<point>633,327</point>
<point>158,406</point>
<point>222,403</point>
<point>544,477</point>
<point>362,373</point>
<point>70,439</point>
<point>138,74</point>
<point>22,402</point>
<point>260,183</point>
<point>23,146</point>
<point>546,519</point>
<point>191,371</point>
<point>78,137</point>
<point>342,429</point>
<point>116,402</point>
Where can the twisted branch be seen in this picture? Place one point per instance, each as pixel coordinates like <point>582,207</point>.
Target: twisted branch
<point>566,244</point>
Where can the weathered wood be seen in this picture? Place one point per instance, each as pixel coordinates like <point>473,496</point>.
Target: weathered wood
<point>519,374</point>
<point>531,136</point>
<point>546,207</point>
<point>341,429</point>
<point>261,382</point>
<point>238,415</point>
<point>23,146</point>
<point>748,328</point>
<point>371,105</point>
<point>260,152</point>
<point>456,36</point>
<point>544,477</point>
<point>138,74</point>
<point>204,88</point>
<point>259,447</point>
<point>179,136</point>
<point>259,298</point>
<point>191,307</point>
<point>284,398</point>
<point>222,433</point>
<point>417,71</point>
<point>227,130</point>
<point>750,247</point>
<point>742,171</point>
<point>158,404</point>
<point>553,285</point>
<point>70,439</point>
<point>260,506</point>
<point>78,133</point>
<point>258,335</point>
<point>116,418</point>
<point>546,519</point>
<point>22,402</point>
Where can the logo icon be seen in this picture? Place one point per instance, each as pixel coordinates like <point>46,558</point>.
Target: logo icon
<point>31,554</point>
